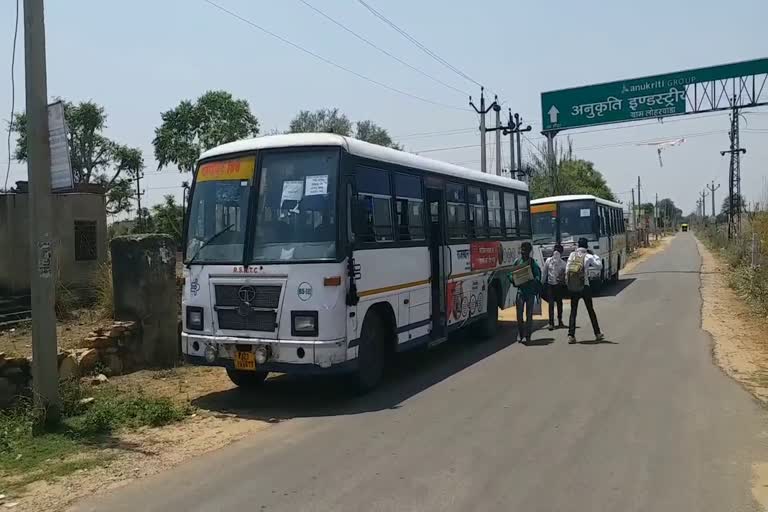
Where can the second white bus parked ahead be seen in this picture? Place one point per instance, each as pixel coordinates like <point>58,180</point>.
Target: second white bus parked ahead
<point>315,253</point>
<point>565,219</point>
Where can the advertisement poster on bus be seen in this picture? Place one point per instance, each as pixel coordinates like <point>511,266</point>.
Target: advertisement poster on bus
<point>485,255</point>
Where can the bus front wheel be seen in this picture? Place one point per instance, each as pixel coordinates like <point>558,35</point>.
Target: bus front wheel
<point>370,354</point>
<point>247,379</point>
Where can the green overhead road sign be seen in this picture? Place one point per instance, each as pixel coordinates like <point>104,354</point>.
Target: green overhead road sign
<point>683,92</point>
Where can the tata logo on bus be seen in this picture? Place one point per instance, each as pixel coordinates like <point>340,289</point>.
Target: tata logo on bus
<point>485,255</point>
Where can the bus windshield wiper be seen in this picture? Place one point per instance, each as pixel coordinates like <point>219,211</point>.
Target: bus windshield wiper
<point>208,241</point>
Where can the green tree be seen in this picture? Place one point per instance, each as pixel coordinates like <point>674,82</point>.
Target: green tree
<point>327,120</point>
<point>186,131</point>
<point>375,134</point>
<point>94,157</point>
<point>167,218</point>
<point>566,175</point>
<point>331,120</point>
<point>726,205</point>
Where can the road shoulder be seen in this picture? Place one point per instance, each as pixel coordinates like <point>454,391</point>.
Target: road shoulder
<point>740,338</point>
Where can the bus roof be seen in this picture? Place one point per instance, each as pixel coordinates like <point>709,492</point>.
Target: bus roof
<point>576,197</point>
<point>362,149</point>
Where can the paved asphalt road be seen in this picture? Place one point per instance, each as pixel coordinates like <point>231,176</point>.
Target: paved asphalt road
<point>644,421</point>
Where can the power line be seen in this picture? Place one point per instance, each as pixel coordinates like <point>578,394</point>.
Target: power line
<point>328,61</point>
<point>13,93</point>
<point>382,50</point>
<point>456,131</point>
<point>418,44</point>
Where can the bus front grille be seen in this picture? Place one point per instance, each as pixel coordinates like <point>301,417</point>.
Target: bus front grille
<point>267,297</point>
<point>253,320</point>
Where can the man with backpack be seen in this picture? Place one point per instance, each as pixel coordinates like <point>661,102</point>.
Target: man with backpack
<point>553,276</point>
<point>580,262</point>
<point>526,276</point>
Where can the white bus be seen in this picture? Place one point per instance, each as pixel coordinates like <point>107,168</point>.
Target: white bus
<point>565,219</point>
<point>318,253</point>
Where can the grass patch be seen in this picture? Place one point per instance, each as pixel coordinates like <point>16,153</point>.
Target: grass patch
<point>28,453</point>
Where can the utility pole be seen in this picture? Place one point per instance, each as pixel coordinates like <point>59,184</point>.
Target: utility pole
<point>514,129</point>
<point>704,195</point>
<point>734,175</point>
<point>712,189</point>
<point>482,111</point>
<point>139,193</point>
<point>45,370</point>
<point>634,213</point>
<point>497,110</point>
<point>512,162</point>
<point>656,215</point>
<point>518,122</point>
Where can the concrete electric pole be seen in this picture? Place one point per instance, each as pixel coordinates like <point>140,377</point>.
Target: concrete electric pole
<point>712,189</point>
<point>497,109</point>
<point>482,111</point>
<point>45,370</point>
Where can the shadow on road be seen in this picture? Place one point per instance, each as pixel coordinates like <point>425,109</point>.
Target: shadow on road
<point>290,396</point>
<point>615,288</point>
<point>596,342</point>
<point>541,342</point>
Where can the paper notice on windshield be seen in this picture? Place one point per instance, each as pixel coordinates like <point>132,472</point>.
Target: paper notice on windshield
<point>317,185</point>
<point>292,191</point>
<point>585,212</point>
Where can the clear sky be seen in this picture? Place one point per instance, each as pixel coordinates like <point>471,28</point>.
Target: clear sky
<point>142,57</point>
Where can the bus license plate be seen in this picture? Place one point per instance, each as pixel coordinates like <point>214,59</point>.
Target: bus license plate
<point>245,361</point>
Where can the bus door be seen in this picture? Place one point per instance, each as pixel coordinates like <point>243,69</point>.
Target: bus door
<point>437,254</point>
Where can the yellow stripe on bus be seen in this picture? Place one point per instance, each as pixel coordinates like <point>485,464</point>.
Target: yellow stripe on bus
<point>393,288</point>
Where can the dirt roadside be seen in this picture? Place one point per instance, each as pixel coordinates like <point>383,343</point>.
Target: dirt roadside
<point>740,344</point>
<point>740,336</point>
<point>148,451</point>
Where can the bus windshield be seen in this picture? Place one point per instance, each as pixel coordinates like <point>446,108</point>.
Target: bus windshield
<point>544,224</point>
<point>296,206</point>
<point>577,220</point>
<point>219,211</point>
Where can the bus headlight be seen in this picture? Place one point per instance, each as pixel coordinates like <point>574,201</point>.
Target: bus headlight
<point>210,354</point>
<point>304,323</point>
<point>195,318</point>
<point>260,354</point>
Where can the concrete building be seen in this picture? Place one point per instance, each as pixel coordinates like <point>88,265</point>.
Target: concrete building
<point>81,228</point>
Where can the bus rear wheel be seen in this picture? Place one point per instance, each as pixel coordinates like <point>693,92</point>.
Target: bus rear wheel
<point>370,354</point>
<point>247,379</point>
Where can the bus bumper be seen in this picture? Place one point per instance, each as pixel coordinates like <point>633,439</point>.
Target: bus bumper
<point>284,356</point>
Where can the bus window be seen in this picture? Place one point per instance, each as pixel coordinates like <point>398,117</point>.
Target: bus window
<point>510,215</point>
<point>494,213</point>
<point>523,215</point>
<point>476,212</point>
<point>373,210</point>
<point>577,220</point>
<point>457,211</point>
<point>409,207</point>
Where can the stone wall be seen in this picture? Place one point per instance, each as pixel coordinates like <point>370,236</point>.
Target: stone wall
<point>106,352</point>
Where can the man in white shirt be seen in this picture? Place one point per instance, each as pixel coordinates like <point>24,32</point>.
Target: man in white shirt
<point>553,276</point>
<point>580,262</point>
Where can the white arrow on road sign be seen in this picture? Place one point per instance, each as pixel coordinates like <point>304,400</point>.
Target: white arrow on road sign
<point>553,112</point>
